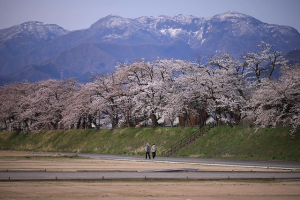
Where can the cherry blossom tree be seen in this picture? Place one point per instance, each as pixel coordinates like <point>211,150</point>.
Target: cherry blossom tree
<point>225,88</point>
<point>262,64</point>
<point>230,76</point>
<point>45,103</point>
<point>276,102</point>
<point>10,97</point>
<point>77,114</point>
<point>144,82</point>
<point>26,106</point>
<point>106,91</point>
<point>189,94</point>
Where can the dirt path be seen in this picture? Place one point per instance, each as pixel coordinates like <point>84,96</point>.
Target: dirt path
<point>16,160</point>
<point>125,190</point>
<point>149,190</point>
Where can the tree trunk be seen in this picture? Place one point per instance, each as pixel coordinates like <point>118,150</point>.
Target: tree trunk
<point>77,126</point>
<point>115,122</point>
<point>154,120</point>
<point>89,122</point>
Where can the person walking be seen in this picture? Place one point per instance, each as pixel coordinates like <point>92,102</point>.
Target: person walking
<point>153,151</point>
<point>147,149</point>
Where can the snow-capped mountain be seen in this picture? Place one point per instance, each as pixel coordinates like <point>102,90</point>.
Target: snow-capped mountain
<point>219,33</point>
<point>157,30</point>
<point>114,39</point>
<point>23,38</point>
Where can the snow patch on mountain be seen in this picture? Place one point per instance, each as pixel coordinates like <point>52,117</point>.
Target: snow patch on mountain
<point>183,19</point>
<point>38,30</point>
<point>231,16</point>
<point>116,21</point>
<point>172,32</point>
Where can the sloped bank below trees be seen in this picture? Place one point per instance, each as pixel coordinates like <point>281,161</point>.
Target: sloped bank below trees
<point>220,142</point>
<point>246,143</point>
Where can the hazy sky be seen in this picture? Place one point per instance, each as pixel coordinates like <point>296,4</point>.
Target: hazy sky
<point>80,14</point>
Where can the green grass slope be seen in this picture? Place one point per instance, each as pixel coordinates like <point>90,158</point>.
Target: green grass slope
<point>128,141</point>
<point>219,142</point>
<point>245,142</point>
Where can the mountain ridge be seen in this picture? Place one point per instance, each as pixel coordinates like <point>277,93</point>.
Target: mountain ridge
<point>20,39</point>
<point>114,39</point>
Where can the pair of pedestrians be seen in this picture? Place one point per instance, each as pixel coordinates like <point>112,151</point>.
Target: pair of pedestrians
<point>153,151</point>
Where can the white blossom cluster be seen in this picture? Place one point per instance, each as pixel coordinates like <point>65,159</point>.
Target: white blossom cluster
<point>226,89</point>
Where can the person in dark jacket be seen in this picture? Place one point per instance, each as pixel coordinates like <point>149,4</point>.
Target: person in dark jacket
<point>153,151</point>
<point>147,149</point>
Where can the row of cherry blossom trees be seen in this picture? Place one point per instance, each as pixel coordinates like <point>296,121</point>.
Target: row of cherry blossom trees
<point>225,88</point>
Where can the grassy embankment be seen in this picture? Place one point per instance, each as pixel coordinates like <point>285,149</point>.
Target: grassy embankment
<point>220,142</point>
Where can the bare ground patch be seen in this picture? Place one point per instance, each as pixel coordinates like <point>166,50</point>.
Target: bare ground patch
<point>18,160</point>
<point>125,190</point>
<point>170,190</point>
